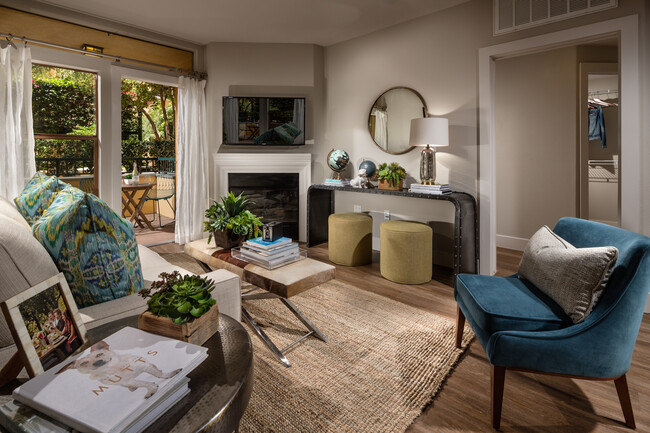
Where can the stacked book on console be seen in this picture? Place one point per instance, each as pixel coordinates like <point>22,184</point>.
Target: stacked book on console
<point>270,254</point>
<point>120,384</point>
<point>430,189</point>
<point>337,182</point>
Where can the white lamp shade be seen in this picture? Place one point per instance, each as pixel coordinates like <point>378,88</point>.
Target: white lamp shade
<point>433,131</point>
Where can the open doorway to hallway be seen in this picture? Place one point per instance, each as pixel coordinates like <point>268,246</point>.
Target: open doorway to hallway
<point>149,159</point>
<point>539,116</point>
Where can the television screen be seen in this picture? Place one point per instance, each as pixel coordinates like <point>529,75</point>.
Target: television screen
<point>263,121</point>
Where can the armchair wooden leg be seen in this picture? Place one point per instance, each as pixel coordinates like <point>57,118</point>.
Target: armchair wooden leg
<point>460,325</point>
<point>624,398</point>
<point>497,381</point>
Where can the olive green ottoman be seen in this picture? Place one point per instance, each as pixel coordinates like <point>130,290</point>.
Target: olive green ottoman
<point>406,252</point>
<point>350,238</point>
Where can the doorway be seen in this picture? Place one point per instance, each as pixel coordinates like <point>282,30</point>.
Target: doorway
<point>627,31</point>
<point>148,161</point>
<point>599,143</point>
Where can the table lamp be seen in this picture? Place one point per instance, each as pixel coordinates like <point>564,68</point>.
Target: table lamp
<point>430,132</point>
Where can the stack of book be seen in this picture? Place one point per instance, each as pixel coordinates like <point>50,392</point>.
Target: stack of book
<point>337,182</point>
<point>430,189</point>
<point>120,384</point>
<point>270,254</point>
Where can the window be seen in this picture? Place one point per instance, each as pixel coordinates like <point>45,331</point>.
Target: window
<point>64,105</point>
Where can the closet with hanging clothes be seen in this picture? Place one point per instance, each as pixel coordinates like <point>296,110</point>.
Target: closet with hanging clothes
<point>603,157</point>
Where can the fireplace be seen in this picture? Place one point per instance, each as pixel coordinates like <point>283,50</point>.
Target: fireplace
<point>226,164</point>
<point>274,197</point>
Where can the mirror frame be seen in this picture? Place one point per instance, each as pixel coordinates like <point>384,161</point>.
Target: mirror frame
<point>426,114</point>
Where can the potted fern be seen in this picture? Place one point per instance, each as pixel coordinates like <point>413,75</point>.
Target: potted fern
<point>391,176</point>
<point>230,222</point>
<point>180,307</point>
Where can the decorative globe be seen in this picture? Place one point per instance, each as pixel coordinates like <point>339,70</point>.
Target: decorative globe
<point>337,160</point>
<point>370,168</point>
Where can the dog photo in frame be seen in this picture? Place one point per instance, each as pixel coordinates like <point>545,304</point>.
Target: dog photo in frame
<point>45,324</point>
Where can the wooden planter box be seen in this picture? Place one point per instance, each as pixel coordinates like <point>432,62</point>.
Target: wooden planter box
<point>197,331</point>
<point>383,184</point>
<point>227,239</point>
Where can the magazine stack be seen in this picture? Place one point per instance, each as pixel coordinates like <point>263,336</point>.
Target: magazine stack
<point>430,189</point>
<point>270,254</point>
<point>120,384</point>
<point>337,182</point>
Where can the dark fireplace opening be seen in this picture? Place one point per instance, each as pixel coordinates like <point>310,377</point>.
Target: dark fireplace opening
<point>275,197</point>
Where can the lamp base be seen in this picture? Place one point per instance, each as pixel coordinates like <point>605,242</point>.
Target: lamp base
<point>428,166</point>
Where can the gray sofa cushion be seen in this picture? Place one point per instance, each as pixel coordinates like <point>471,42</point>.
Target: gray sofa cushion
<point>574,278</point>
<point>23,264</point>
<point>8,209</point>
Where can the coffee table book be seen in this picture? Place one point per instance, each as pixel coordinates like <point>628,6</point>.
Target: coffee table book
<point>20,418</point>
<point>115,383</point>
<point>300,254</point>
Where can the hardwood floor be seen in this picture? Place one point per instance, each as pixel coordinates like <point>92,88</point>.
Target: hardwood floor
<point>532,403</point>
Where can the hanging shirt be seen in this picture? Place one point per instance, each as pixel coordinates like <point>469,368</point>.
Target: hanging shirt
<point>597,125</point>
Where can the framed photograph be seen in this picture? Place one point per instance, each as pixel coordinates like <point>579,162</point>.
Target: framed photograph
<point>46,324</point>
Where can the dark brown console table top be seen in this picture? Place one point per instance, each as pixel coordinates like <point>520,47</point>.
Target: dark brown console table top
<point>320,205</point>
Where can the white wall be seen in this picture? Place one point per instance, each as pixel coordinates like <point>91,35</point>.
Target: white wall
<point>535,111</point>
<point>243,69</point>
<point>437,56</point>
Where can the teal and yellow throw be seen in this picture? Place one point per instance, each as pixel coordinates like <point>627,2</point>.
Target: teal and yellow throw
<point>93,246</point>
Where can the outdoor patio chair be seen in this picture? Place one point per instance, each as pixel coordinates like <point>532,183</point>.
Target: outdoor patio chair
<point>164,189</point>
<point>166,165</point>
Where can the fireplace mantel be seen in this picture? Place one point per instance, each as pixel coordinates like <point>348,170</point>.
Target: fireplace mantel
<point>225,163</point>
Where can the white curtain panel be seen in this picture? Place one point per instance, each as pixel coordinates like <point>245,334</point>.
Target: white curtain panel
<point>381,127</point>
<point>192,166</point>
<point>17,163</point>
<point>231,120</point>
<point>299,118</point>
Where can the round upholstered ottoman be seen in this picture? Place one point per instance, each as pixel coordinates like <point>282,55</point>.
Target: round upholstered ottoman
<point>350,238</point>
<point>406,252</point>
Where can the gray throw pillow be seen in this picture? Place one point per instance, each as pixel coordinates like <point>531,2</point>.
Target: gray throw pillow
<point>574,278</point>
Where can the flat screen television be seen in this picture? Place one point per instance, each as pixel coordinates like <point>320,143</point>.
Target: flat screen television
<point>263,121</point>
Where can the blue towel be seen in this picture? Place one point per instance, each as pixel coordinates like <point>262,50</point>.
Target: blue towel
<point>597,125</point>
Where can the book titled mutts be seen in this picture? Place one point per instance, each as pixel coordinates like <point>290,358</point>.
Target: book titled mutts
<point>109,386</point>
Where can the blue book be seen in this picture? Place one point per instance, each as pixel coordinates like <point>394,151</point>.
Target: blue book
<point>258,242</point>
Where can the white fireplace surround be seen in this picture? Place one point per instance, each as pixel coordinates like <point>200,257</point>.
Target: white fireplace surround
<point>225,163</point>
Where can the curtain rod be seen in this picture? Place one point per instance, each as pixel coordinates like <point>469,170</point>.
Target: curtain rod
<point>180,71</point>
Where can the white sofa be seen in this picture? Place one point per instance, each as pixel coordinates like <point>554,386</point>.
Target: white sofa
<point>25,263</point>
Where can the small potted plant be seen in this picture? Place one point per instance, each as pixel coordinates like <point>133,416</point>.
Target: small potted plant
<point>391,176</point>
<point>230,222</point>
<point>180,307</point>
<point>128,179</point>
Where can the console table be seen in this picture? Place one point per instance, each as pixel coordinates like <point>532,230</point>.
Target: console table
<point>320,205</point>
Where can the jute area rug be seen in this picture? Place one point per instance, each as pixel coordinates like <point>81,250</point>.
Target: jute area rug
<point>384,363</point>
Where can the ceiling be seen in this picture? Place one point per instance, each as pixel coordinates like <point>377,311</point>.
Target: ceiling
<point>322,22</point>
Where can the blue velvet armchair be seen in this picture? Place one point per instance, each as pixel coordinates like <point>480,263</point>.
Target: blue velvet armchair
<point>522,329</point>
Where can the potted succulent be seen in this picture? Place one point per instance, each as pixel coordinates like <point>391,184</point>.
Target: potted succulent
<point>128,179</point>
<point>180,307</point>
<point>391,176</point>
<point>230,222</point>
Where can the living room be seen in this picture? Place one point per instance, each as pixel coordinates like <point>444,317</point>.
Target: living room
<point>341,58</point>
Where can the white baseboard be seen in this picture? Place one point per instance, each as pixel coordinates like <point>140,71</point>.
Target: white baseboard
<point>511,242</point>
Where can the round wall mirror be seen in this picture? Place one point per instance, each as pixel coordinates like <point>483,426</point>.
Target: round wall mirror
<point>390,117</point>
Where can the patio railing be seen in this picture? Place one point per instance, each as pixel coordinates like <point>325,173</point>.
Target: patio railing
<point>62,167</point>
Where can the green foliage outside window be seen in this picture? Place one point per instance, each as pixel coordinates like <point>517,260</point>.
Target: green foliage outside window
<point>63,102</point>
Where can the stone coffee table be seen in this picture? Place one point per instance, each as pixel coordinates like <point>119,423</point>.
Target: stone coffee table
<point>280,283</point>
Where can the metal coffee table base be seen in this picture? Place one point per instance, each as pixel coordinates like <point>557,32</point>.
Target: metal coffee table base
<point>313,330</point>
